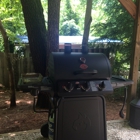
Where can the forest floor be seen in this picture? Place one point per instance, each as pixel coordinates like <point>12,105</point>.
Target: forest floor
<point>22,117</point>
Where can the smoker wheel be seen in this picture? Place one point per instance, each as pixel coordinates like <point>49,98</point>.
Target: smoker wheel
<point>44,130</point>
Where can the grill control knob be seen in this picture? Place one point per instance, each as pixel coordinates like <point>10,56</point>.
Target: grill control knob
<point>68,87</point>
<point>101,85</point>
<point>85,86</point>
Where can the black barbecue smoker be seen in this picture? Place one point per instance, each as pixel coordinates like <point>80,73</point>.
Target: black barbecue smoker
<point>77,82</point>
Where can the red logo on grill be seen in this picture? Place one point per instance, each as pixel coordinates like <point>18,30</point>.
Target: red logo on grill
<point>83,66</point>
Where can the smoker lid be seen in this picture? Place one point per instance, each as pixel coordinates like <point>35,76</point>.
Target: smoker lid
<point>80,66</point>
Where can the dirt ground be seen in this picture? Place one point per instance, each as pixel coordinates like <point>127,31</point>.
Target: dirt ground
<point>24,118</point>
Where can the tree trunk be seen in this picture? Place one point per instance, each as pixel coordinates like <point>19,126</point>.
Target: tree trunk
<point>37,33</point>
<point>53,25</point>
<point>87,23</point>
<point>10,68</point>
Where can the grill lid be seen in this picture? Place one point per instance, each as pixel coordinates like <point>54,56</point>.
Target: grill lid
<point>78,66</point>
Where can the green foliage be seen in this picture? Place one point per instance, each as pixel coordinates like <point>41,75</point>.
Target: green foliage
<point>69,28</point>
<point>70,14</point>
<point>12,19</point>
<point>45,10</point>
<point>69,20</point>
<point>118,24</point>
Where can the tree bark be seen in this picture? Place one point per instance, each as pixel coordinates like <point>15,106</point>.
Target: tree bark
<point>53,25</point>
<point>37,33</point>
<point>87,23</point>
<point>9,65</point>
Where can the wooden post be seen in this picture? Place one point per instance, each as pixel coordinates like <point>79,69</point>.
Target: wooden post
<point>135,60</point>
<point>130,6</point>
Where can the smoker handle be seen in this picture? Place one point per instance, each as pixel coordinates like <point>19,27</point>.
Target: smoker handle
<point>85,72</point>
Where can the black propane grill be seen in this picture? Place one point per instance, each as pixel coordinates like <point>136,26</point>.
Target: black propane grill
<point>78,82</point>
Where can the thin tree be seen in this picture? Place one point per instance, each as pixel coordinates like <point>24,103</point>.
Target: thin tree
<point>87,23</point>
<point>9,65</point>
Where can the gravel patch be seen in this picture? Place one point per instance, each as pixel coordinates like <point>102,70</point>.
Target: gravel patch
<point>24,135</point>
<point>116,130</point>
<point>120,130</point>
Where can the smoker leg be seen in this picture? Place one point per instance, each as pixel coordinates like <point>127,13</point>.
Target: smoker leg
<point>44,130</point>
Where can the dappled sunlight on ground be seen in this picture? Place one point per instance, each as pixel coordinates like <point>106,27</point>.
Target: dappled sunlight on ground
<point>24,101</point>
<point>22,117</point>
<point>7,102</point>
<point>19,101</point>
